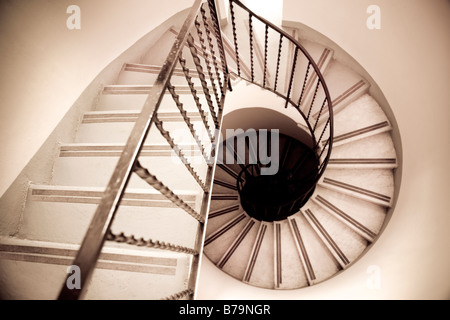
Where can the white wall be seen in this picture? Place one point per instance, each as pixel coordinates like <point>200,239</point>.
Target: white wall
<point>45,66</point>
<point>409,59</point>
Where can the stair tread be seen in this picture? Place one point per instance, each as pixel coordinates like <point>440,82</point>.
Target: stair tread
<point>370,215</point>
<point>234,260</point>
<point>371,184</point>
<point>379,146</point>
<point>322,262</point>
<point>292,272</point>
<point>220,240</point>
<point>363,112</point>
<point>96,171</point>
<point>32,264</point>
<point>348,241</point>
<point>152,219</point>
<point>260,270</point>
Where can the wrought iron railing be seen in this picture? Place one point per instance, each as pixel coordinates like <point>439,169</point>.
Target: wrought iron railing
<point>285,68</point>
<point>198,49</point>
<point>201,26</point>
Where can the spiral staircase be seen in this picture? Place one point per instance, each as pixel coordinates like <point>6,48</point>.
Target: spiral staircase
<point>153,140</point>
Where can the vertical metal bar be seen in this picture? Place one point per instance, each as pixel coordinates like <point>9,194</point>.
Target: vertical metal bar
<point>278,62</point>
<point>187,120</point>
<point>320,114</point>
<point>304,84</point>
<point>294,63</point>
<point>215,18</point>
<point>313,99</point>
<point>195,96</point>
<point>266,45</point>
<point>207,61</point>
<point>233,23</point>
<point>200,240</point>
<point>197,62</point>
<point>250,28</point>
<point>212,51</point>
<point>178,152</point>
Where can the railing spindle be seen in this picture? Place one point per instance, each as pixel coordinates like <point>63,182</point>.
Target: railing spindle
<point>320,114</point>
<point>187,120</point>
<point>250,28</point>
<point>218,33</point>
<point>280,45</point>
<point>266,45</point>
<point>294,63</point>
<point>212,51</point>
<point>179,152</point>
<point>207,61</point>
<point>313,99</point>
<point>195,96</point>
<point>197,62</point>
<point>304,84</point>
<point>141,242</point>
<point>233,23</point>
<point>145,175</point>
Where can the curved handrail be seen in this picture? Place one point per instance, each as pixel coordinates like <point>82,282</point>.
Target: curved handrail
<point>320,143</point>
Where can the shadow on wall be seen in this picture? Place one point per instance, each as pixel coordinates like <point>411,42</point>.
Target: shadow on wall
<point>262,118</point>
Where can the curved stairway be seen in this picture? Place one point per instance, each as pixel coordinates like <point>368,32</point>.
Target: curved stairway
<point>348,207</point>
<point>153,247</point>
<point>341,219</point>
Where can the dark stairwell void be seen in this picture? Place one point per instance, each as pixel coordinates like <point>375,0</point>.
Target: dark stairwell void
<point>276,197</point>
<point>276,170</point>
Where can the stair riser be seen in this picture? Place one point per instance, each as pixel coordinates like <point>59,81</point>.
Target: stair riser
<point>135,101</point>
<point>171,225</point>
<point>288,268</point>
<point>141,76</point>
<point>119,132</point>
<point>260,273</point>
<point>96,172</point>
<point>236,263</point>
<point>215,249</point>
<point>322,262</point>
<point>23,277</point>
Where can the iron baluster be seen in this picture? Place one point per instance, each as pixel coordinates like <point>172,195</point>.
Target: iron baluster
<point>320,114</point>
<point>250,27</point>
<point>233,22</point>
<point>187,120</point>
<point>196,98</point>
<point>197,62</point>
<point>141,242</point>
<point>294,63</point>
<point>179,152</point>
<point>211,49</point>
<point>280,45</point>
<point>304,84</point>
<point>313,99</point>
<point>266,45</point>
<point>145,175</point>
<point>207,60</point>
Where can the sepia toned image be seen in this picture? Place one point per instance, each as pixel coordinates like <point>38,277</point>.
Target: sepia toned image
<point>224,150</point>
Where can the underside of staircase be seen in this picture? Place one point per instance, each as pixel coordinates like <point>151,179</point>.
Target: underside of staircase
<point>179,203</point>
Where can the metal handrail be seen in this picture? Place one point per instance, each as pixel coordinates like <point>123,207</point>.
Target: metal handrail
<point>100,225</point>
<point>317,139</point>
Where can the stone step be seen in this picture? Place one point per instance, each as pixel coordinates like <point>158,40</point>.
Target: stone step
<point>122,271</point>
<point>143,213</point>
<point>373,185</point>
